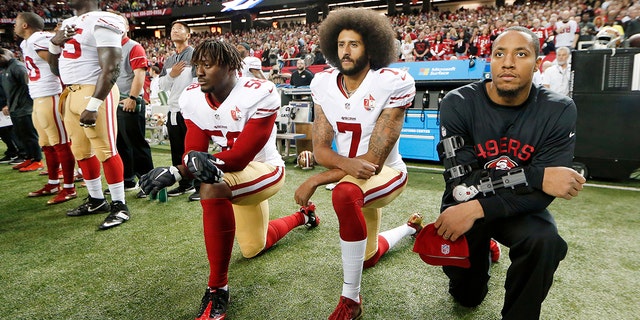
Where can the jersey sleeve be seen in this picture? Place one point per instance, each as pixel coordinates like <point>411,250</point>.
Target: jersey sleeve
<point>138,57</point>
<point>403,87</point>
<point>41,41</point>
<point>111,22</point>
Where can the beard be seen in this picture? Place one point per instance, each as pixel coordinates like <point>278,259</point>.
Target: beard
<point>509,93</point>
<point>358,65</point>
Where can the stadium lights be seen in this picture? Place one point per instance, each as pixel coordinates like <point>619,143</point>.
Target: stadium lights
<point>283,16</point>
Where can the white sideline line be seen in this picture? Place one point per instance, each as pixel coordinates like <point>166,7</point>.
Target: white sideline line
<point>604,186</point>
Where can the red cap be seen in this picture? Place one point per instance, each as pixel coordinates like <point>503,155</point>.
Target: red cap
<point>435,250</point>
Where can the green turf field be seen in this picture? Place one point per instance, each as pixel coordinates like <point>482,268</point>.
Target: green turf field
<point>154,266</point>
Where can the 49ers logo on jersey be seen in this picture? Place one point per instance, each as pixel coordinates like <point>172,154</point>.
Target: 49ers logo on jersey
<point>369,103</point>
<point>502,163</point>
<point>236,114</point>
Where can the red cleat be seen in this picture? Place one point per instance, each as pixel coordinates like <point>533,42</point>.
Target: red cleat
<point>48,189</point>
<point>65,195</point>
<point>347,309</point>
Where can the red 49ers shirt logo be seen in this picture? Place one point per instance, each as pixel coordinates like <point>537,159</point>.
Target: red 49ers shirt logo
<point>502,163</point>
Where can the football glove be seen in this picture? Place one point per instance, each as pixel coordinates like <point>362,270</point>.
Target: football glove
<point>158,179</point>
<point>203,166</point>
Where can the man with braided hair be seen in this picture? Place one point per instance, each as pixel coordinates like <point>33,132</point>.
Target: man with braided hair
<point>237,114</point>
<point>86,51</point>
<point>361,104</point>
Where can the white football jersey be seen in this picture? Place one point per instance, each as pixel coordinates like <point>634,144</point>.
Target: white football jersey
<point>353,118</point>
<point>249,63</point>
<point>78,62</point>
<point>251,98</point>
<point>42,82</point>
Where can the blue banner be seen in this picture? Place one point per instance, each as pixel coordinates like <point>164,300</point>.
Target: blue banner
<point>444,70</point>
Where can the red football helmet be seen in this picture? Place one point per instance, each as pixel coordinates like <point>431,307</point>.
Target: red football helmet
<point>305,160</point>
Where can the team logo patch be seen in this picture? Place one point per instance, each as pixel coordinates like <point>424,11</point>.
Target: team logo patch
<point>369,103</point>
<point>236,114</point>
<point>445,249</point>
<point>502,163</point>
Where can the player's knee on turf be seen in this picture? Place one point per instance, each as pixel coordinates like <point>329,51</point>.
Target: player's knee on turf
<point>468,291</point>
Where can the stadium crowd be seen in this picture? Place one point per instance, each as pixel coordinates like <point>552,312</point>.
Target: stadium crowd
<point>463,32</point>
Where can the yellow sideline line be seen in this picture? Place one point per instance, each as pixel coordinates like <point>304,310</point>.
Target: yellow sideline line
<point>604,186</point>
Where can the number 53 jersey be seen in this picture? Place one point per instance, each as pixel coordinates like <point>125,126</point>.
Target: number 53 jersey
<point>251,98</point>
<point>354,117</point>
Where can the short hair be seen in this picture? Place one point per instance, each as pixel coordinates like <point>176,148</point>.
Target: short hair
<point>564,49</point>
<point>535,41</point>
<point>182,23</point>
<point>376,31</point>
<point>220,53</point>
<point>32,20</point>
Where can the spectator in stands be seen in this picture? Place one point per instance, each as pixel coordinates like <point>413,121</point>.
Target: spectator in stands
<point>438,48</point>
<point>632,26</point>
<point>301,76</point>
<point>567,32</point>
<point>278,77</point>
<point>421,48</point>
<point>406,49</point>
<point>318,56</point>
<point>176,75</point>
<point>558,75</point>
<point>587,28</point>
<point>460,47</point>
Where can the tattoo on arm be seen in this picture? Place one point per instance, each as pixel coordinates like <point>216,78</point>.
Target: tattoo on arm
<point>385,134</point>
<point>322,130</point>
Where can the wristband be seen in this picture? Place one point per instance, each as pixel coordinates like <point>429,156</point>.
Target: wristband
<point>176,173</point>
<point>134,98</point>
<point>94,104</point>
<point>53,49</point>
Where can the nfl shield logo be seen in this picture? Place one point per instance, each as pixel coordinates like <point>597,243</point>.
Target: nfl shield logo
<point>445,249</point>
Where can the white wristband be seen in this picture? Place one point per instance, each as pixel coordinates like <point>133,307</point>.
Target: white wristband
<point>53,49</point>
<point>94,104</point>
<point>176,173</point>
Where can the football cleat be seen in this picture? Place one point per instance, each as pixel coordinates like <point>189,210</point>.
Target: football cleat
<point>494,247</point>
<point>64,195</point>
<point>214,305</point>
<point>119,215</point>
<point>310,211</point>
<point>180,190</point>
<point>8,159</point>
<point>305,160</point>
<point>195,196</point>
<point>91,206</point>
<point>415,221</point>
<point>347,309</point>
<point>21,165</point>
<point>33,166</point>
<point>48,189</point>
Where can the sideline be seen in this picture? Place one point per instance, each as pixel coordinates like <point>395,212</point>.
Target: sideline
<point>594,185</point>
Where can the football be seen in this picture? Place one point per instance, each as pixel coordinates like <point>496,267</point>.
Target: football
<point>305,160</point>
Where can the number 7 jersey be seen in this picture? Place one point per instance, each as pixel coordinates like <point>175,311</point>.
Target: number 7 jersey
<point>353,118</point>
